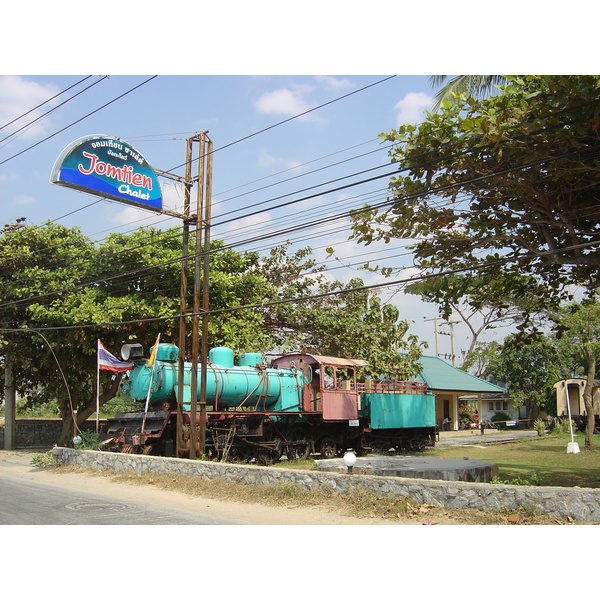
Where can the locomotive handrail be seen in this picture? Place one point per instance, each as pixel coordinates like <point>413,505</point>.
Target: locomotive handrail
<point>386,386</point>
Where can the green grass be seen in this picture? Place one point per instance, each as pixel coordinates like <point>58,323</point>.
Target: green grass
<point>540,459</point>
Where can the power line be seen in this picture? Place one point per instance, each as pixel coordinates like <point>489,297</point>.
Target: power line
<point>304,298</point>
<point>78,120</point>
<point>251,135</point>
<point>28,125</point>
<point>44,102</point>
<point>327,219</point>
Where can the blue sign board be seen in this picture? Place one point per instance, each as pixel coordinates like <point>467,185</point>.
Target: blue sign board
<point>109,167</point>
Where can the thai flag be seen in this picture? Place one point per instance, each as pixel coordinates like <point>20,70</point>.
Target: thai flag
<point>107,362</point>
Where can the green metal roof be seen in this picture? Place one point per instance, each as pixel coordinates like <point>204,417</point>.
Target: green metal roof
<point>443,377</point>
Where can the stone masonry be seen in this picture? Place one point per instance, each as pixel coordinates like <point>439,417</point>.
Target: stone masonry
<point>580,504</point>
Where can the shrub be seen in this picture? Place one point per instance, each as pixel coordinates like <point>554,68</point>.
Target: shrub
<point>500,418</point>
<point>540,427</point>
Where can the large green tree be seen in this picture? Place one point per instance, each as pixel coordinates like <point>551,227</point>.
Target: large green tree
<point>61,292</point>
<point>506,186</point>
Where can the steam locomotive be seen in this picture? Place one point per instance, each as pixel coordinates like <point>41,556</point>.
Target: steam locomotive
<point>301,404</point>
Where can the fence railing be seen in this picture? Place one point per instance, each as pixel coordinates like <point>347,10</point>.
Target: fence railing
<point>384,386</point>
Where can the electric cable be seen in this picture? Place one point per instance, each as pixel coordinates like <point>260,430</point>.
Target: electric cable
<point>77,121</point>
<point>31,123</point>
<point>44,102</point>
<point>329,218</point>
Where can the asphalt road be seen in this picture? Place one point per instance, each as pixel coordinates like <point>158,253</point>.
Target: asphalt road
<point>25,502</point>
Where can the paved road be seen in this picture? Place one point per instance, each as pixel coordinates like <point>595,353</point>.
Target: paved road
<point>25,502</point>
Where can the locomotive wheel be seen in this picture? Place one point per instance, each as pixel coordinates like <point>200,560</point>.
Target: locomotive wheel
<point>240,455</point>
<point>361,448</point>
<point>267,456</point>
<point>381,447</point>
<point>328,448</point>
<point>299,446</point>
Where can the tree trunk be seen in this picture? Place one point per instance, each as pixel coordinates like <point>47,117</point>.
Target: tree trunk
<point>588,398</point>
<point>67,432</point>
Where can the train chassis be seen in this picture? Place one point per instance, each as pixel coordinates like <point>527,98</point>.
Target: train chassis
<point>261,439</point>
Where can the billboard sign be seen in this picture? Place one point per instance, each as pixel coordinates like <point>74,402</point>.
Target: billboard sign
<point>108,167</point>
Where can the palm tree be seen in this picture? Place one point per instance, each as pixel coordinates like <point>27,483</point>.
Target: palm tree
<point>474,85</point>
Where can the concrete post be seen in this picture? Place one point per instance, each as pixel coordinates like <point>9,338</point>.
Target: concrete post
<point>9,408</point>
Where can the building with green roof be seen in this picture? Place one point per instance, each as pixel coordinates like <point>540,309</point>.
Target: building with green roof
<point>449,384</point>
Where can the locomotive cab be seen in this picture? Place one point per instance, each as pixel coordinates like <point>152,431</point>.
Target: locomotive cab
<point>333,389</point>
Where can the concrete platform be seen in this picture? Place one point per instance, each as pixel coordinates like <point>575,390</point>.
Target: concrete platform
<point>445,469</point>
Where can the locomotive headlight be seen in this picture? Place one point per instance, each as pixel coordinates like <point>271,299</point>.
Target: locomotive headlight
<point>349,460</point>
<point>132,351</point>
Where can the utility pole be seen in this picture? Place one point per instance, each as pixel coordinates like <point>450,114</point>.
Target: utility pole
<point>201,220</point>
<point>451,334</point>
<point>201,294</point>
<point>179,442</point>
<point>435,329</point>
<point>9,407</point>
<point>10,396</point>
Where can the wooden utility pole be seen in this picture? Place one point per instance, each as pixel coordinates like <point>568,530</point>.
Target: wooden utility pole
<point>179,442</point>
<point>201,295</point>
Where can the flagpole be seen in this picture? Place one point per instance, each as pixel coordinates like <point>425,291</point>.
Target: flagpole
<point>147,399</point>
<point>97,386</point>
<point>153,361</point>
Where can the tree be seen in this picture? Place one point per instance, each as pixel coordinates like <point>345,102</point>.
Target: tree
<point>61,293</point>
<point>528,368</point>
<point>482,303</point>
<point>580,325</point>
<point>480,357</point>
<point>504,188</point>
<point>354,324</point>
<point>471,85</point>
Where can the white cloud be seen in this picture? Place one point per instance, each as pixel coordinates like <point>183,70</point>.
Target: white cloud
<point>334,83</point>
<point>410,108</point>
<point>23,200</point>
<point>18,96</point>
<point>287,102</point>
<point>266,160</point>
<point>250,226</point>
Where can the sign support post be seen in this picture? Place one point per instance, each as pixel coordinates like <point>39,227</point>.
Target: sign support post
<point>108,167</point>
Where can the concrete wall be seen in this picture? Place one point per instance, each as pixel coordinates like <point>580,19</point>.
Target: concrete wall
<point>560,503</point>
<point>40,433</point>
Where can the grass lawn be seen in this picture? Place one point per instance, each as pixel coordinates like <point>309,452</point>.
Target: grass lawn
<point>542,460</point>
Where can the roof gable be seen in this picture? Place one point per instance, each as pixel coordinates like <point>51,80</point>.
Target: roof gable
<point>441,376</point>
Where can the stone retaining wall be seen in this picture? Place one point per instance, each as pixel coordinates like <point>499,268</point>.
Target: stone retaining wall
<point>581,504</point>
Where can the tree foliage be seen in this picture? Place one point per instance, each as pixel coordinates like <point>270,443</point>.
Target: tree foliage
<point>503,188</point>
<point>528,368</point>
<point>580,325</point>
<point>61,292</point>
<point>470,85</point>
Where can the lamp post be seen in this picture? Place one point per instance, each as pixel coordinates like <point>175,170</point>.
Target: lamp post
<point>349,460</point>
